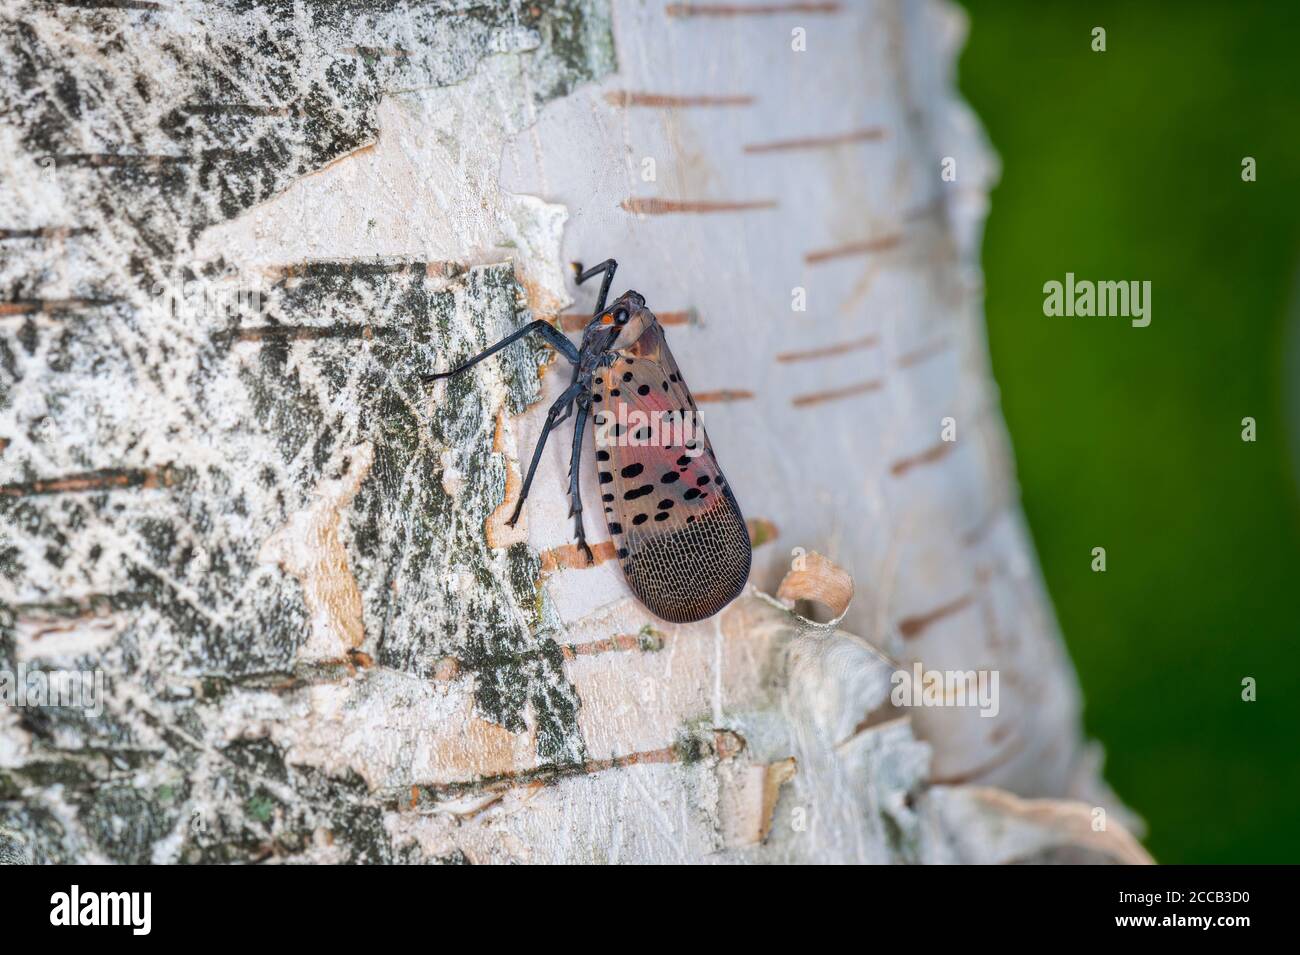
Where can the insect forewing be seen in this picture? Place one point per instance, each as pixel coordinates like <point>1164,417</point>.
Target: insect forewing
<point>677,529</point>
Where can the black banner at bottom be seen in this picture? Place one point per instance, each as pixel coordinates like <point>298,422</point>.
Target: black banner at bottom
<point>298,904</point>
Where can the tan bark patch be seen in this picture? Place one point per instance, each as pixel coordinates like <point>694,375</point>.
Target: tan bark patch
<point>309,547</point>
<point>497,531</point>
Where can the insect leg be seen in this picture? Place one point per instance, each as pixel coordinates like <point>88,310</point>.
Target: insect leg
<point>608,267</point>
<point>575,496</point>
<point>548,331</point>
<point>552,418</point>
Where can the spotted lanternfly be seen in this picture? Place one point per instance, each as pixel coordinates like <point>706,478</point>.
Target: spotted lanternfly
<point>676,526</point>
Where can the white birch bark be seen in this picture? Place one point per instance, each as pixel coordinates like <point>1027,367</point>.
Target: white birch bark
<point>289,558</point>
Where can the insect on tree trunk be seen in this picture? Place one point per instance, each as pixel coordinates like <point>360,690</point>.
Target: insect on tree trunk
<point>234,240</point>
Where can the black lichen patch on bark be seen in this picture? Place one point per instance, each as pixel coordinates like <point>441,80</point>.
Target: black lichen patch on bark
<point>432,586</point>
<point>141,138</point>
<point>124,821</point>
<point>32,834</point>
<point>8,622</point>
<point>273,809</point>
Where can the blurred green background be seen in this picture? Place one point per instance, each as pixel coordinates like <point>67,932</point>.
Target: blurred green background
<point>1127,165</point>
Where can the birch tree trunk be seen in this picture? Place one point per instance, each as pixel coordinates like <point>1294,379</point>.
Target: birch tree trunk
<point>234,234</point>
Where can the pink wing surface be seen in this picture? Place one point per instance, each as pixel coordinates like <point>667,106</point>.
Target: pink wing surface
<point>677,529</point>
